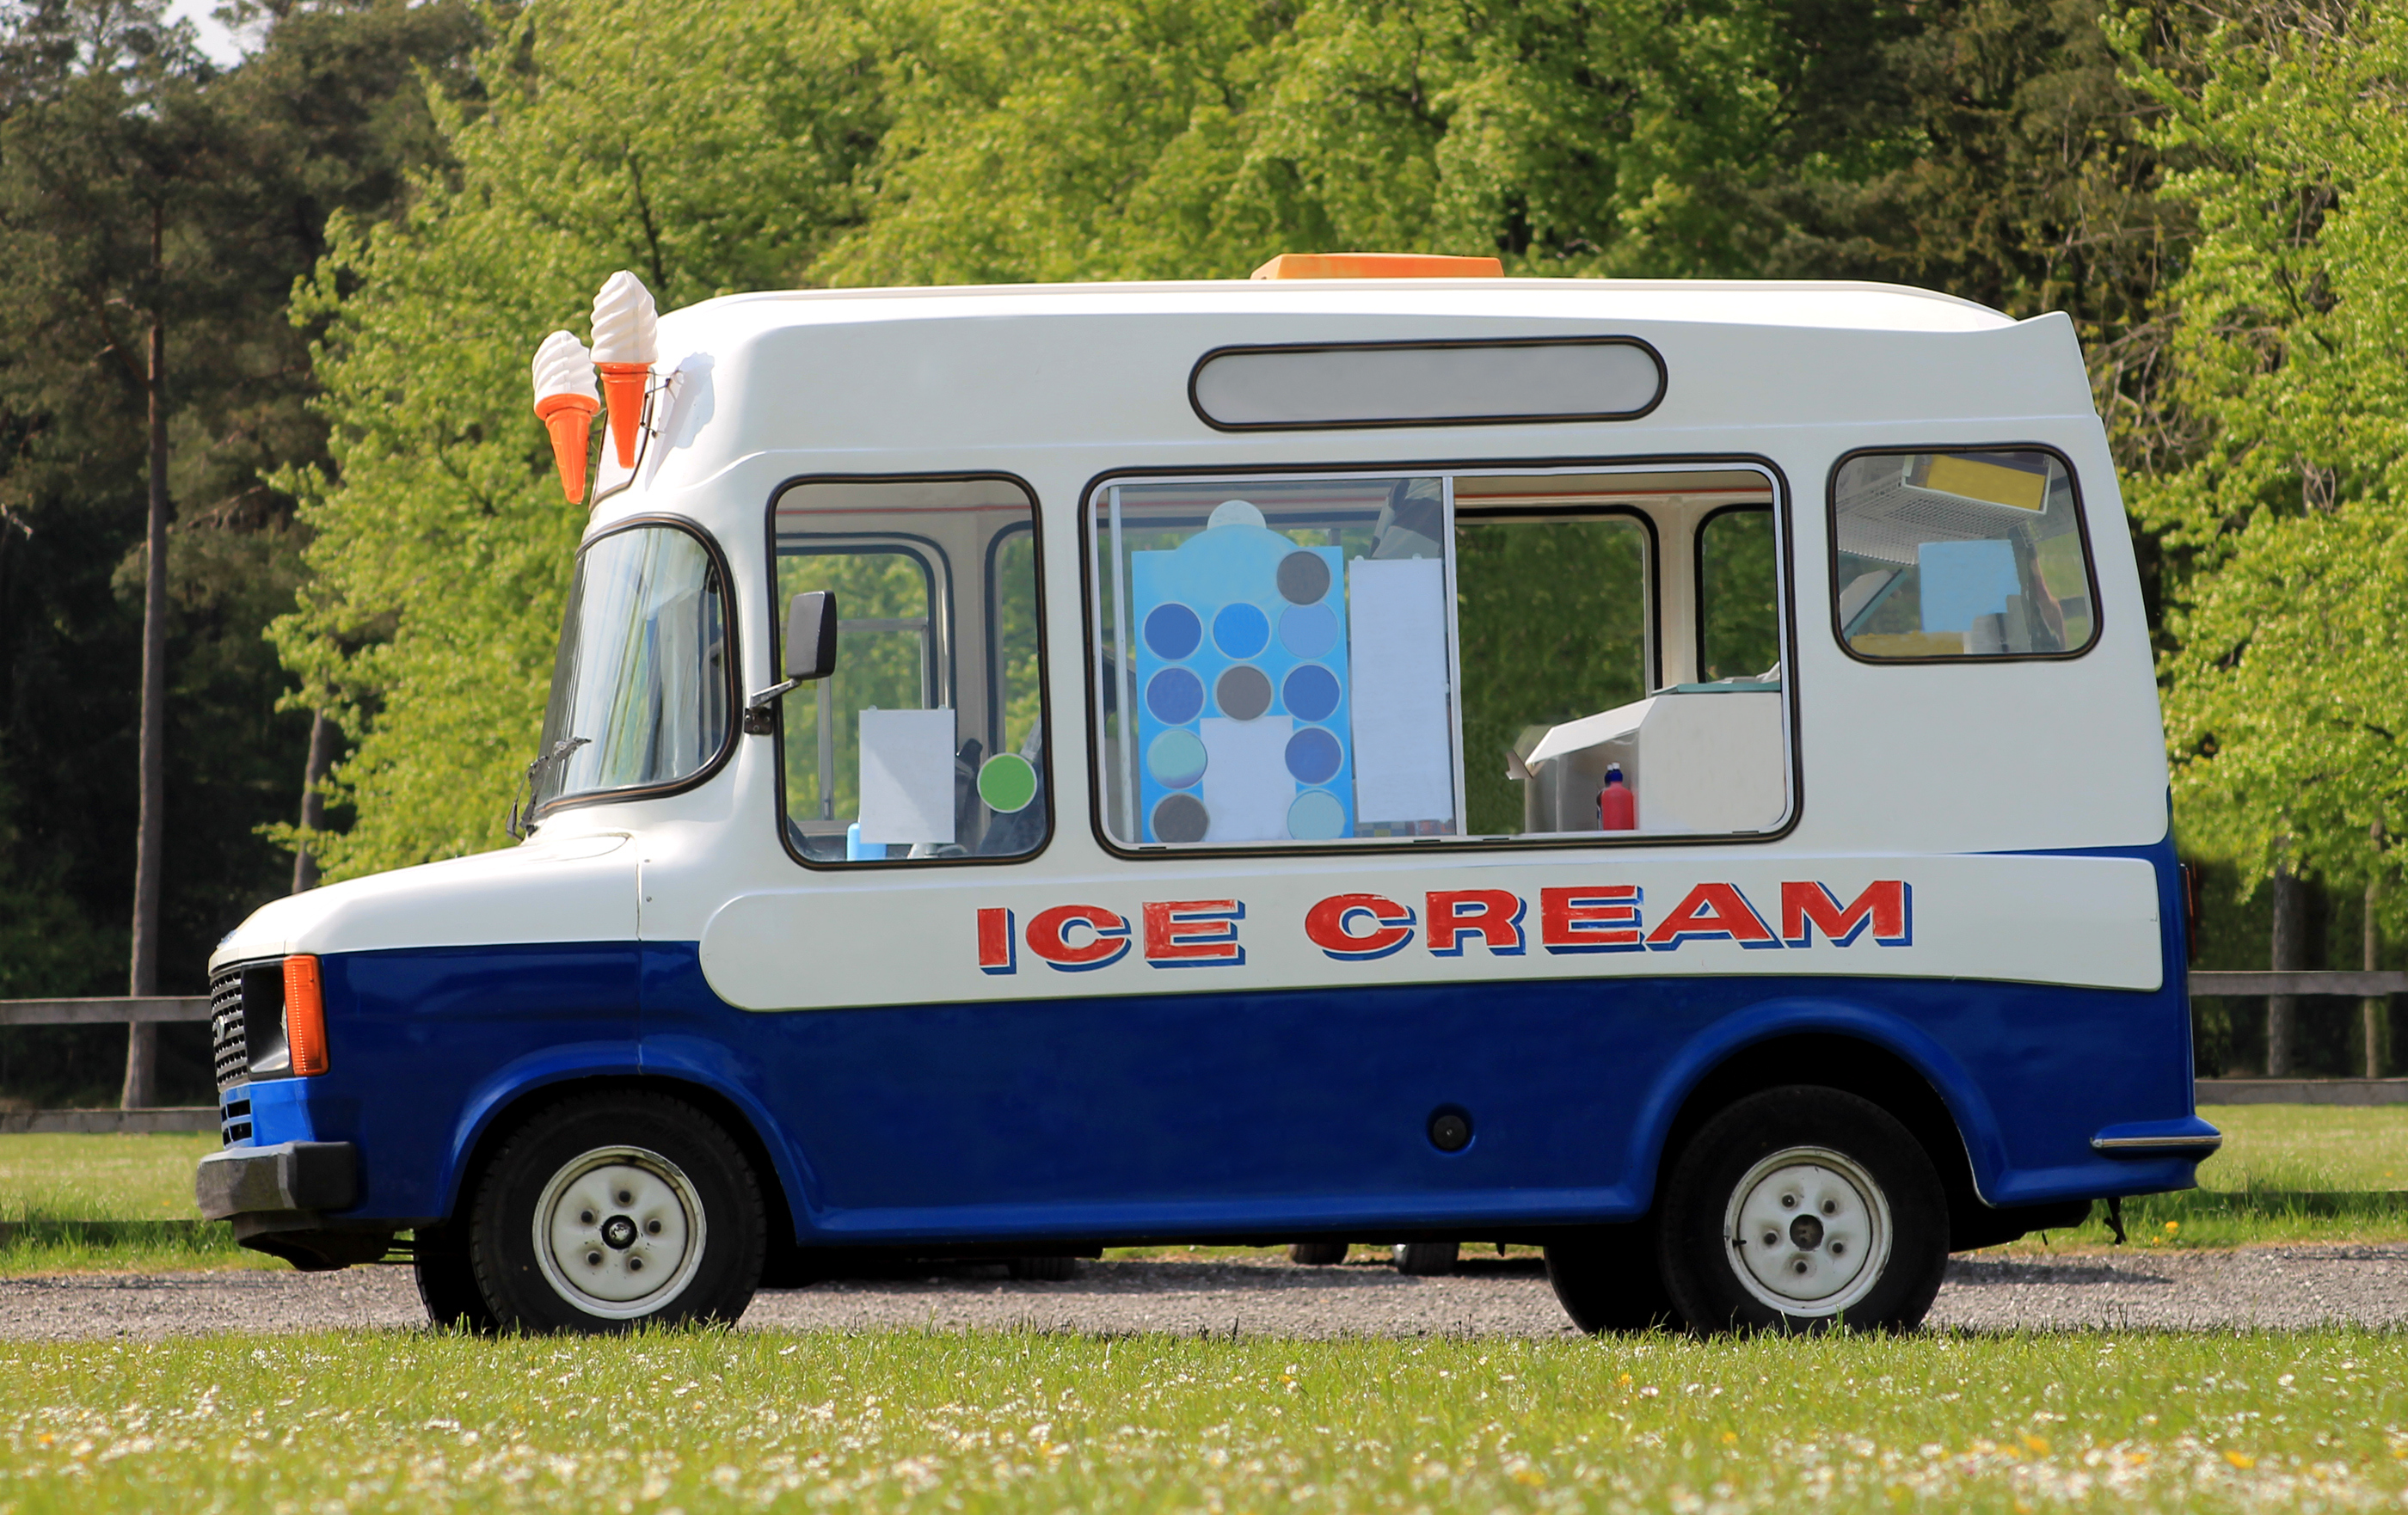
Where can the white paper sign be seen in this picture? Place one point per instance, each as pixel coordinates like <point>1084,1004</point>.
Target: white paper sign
<point>907,776</point>
<point>1404,766</point>
<point>1247,787</point>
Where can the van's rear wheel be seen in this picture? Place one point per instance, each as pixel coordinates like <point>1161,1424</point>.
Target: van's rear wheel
<point>1801,1208</point>
<point>1316,1254</point>
<point>609,1211</point>
<point>1608,1277</point>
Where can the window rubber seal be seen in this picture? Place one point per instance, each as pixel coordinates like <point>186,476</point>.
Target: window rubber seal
<point>1985,660</point>
<point>735,663</point>
<point>1044,697</point>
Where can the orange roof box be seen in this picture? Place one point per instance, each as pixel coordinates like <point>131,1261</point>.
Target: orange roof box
<point>1378,266</point>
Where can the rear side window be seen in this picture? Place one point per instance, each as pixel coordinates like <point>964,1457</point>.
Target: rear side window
<point>1960,554</point>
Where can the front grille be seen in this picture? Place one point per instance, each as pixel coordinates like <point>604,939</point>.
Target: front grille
<point>229,1039</point>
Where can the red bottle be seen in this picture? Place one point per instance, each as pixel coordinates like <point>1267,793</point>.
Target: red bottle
<point>1617,807</point>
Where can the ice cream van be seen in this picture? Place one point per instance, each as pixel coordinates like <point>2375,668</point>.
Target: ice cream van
<point>1669,773</point>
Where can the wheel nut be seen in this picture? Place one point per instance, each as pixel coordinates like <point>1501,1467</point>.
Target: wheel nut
<point>635,1265</point>
<point>652,1227</point>
<point>593,1259</point>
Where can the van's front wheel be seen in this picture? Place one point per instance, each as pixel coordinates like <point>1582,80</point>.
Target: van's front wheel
<point>1801,1208</point>
<point>615,1209</point>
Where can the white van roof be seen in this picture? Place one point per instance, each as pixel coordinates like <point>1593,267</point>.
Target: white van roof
<point>1850,306</point>
<point>986,378</point>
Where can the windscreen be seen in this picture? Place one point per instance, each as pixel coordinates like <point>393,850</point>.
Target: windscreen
<point>639,694</point>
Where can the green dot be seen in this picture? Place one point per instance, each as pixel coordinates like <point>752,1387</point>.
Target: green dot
<point>1007,782</point>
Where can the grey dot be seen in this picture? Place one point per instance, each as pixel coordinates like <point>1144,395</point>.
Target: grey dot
<point>1181,818</point>
<point>1243,693</point>
<point>1303,578</point>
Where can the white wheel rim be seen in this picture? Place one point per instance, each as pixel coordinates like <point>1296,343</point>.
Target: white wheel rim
<point>1807,1232</point>
<point>619,1232</point>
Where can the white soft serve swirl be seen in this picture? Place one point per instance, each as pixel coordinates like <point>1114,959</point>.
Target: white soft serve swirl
<point>563,367</point>
<point>626,326</point>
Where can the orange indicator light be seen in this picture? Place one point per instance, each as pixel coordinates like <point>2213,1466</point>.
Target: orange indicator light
<point>305,1015</point>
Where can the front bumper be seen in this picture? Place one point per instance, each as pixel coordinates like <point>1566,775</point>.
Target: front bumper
<point>279,1197</point>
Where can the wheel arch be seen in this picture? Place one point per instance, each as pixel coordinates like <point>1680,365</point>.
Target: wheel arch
<point>493,1121</point>
<point>1838,1046</point>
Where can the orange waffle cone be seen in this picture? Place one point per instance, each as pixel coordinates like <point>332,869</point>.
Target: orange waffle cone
<point>623,391</point>
<point>569,418</point>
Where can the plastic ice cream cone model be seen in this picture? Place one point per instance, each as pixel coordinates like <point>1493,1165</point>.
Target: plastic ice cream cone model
<point>626,340</point>
<point>565,402</point>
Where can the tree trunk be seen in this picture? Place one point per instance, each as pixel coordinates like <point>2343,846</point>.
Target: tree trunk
<point>2371,1009</point>
<point>150,827</point>
<point>313,804</point>
<point>2290,954</point>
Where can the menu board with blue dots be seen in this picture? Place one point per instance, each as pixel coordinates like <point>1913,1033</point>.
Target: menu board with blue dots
<point>1240,664</point>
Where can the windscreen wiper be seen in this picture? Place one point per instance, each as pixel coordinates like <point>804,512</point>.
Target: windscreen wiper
<point>535,769</point>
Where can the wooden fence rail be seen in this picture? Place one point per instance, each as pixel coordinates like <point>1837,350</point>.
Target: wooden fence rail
<point>117,1009</point>
<point>173,1008</point>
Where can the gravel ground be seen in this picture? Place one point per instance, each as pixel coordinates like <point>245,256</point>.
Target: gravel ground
<point>2269,1286</point>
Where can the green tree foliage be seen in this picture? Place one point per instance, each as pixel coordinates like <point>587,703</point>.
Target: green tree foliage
<point>715,154</point>
<point>2286,703</point>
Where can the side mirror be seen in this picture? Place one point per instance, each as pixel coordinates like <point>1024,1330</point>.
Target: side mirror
<point>810,654</point>
<point>810,636</point>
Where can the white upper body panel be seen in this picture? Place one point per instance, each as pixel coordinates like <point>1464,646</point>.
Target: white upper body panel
<point>1896,768</point>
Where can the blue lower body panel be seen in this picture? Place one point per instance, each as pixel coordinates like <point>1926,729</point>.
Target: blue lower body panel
<point>1226,1114</point>
<point>1203,1115</point>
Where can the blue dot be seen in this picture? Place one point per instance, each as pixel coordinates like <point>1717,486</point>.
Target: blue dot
<point>1177,759</point>
<point>1172,631</point>
<point>1241,630</point>
<point>1314,755</point>
<point>1310,693</point>
<point>1175,696</point>
<point>1309,630</point>
<point>1316,817</point>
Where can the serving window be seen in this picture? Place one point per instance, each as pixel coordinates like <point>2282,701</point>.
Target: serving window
<point>1400,657</point>
<point>1966,553</point>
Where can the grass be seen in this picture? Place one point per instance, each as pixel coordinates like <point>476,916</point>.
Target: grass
<point>707,1422</point>
<point>52,1187</point>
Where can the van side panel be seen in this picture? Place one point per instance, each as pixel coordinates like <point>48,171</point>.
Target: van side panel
<point>1207,1114</point>
<point>1196,1114</point>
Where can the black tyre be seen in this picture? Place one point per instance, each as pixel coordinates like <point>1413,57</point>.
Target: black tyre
<point>1316,1254</point>
<point>1426,1259</point>
<point>1801,1208</point>
<point>1044,1267</point>
<point>609,1211</point>
<point>1609,1278</point>
<point>447,1280</point>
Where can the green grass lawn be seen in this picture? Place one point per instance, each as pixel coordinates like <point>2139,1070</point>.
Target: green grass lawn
<point>1017,1421</point>
<point>51,1186</point>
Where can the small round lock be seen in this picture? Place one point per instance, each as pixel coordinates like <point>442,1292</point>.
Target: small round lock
<point>1450,1131</point>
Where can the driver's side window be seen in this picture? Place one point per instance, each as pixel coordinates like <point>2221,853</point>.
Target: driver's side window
<point>926,742</point>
